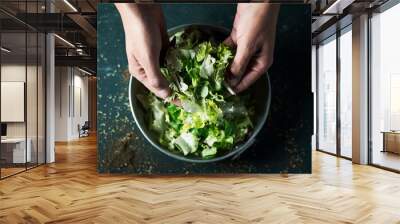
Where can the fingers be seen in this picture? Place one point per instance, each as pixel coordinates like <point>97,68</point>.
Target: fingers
<point>177,102</point>
<point>257,68</point>
<point>150,77</point>
<point>239,64</point>
<point>156,80</point>
<point>228,41</point>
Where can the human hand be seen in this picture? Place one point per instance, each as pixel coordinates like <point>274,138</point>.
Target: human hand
<point>145,35</point>
<point>253,35</point>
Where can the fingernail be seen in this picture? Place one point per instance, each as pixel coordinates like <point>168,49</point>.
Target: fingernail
<point>164,93</point>
<point>233,80</point>
<point>177,102</point>
<point>236,69</point>
<point>237,90</point>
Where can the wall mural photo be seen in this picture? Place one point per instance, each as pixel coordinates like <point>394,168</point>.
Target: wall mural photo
<point>204,88</point>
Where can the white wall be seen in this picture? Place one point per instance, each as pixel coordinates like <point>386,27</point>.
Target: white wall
<point>79,117</point>
<point>14,73</point>
<point>12,101</point>
<point>33,127</point>
<point>17,73</point>
<point>62,81</point>
<point>71,102</point>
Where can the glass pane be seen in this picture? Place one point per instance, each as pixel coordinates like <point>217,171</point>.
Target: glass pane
<point>314,85</point>
<point>31,87</point>
<point>346,94</point>
<point>327,96</point>
<point>13,87</point>
<point>41,99</point>
<point>31,98</point>
<point>23,87</point>
<point>386,88</point>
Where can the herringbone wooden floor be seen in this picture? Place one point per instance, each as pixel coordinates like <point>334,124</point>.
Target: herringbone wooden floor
<point>71,191</point>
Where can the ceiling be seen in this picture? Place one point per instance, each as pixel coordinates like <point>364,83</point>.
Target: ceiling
<point>72,20</point>
<point>16,43</point>
<point>332,15</point>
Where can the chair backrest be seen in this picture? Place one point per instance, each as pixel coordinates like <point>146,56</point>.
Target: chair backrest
<point>86,125</point>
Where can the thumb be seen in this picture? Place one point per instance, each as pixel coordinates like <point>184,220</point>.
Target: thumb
<point>229,41</point>
<point>240,62</point>
<point>158,84</point>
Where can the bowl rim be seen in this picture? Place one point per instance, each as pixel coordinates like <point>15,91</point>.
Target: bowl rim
<point>236,149</point>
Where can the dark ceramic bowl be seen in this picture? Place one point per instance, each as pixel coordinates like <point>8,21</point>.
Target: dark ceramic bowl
<point>261,91</point>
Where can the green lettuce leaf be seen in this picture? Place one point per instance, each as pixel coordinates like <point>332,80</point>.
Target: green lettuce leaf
<point>209,119</point>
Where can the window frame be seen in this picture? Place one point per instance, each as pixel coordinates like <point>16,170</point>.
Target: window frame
<point>31,30</point>
<point>337,34</point>
<point>381,9</point>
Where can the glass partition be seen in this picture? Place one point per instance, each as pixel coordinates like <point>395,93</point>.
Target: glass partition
<point>385,89</point>
<point>31,98</point>
<point>327,95</point>
<point>346,92</point>
<point>22,101</point>
<point>41,96</point>
<point>13,104</point>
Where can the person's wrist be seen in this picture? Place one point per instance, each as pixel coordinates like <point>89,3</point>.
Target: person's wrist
<point>134,13</point>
